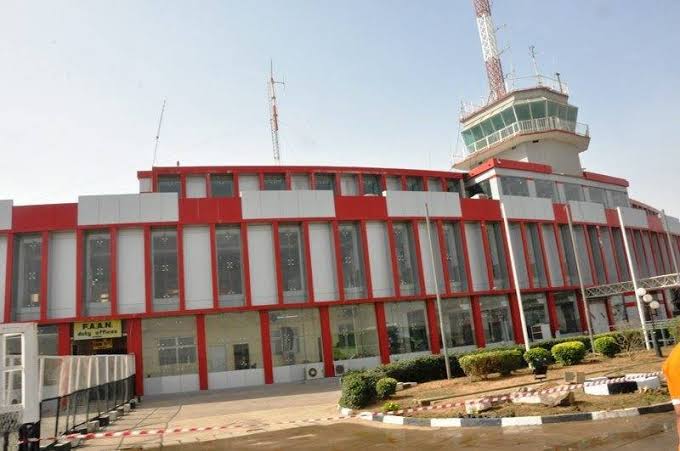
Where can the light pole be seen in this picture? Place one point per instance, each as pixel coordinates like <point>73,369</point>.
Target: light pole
<point>653,306</point>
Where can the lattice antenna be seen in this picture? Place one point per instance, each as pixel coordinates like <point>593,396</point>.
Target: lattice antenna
<point>158,134</point>
<point>492,60</point>
<point>537,73</point>
<point>274,113</point>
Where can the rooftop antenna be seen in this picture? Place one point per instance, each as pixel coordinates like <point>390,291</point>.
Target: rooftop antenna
<point>532,52</point>
<point>274,119</point>
<point>158,134</point>
<point>492,60</point>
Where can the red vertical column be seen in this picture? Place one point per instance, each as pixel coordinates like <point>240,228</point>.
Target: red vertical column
<point>266,348</point>
<point>202,353</point>
<point>516,321</point>
<point>213,266</point>
<point>381,328</point>
<point>308,261</point>
<point>134,346</point>
<point>113,287</point>
<point>9,279</point>
<point>433,326</point>
<point>64,339</point>
<point>44,268</point>
<point>180,267</point>
<point>477,321</point>
<point>80,272</point>
<point>552,313</point>
<point>326,342</point>
<point>335,230</point>
<point>148,267</point>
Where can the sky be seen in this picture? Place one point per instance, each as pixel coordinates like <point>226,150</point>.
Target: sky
<point>367,83</point>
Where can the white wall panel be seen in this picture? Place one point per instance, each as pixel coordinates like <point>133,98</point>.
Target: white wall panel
<point>197,268</point>
<point>263,285</point>
<point>412,203</point>
<point>127,208</point>
<point>324,270</point>
<point>632,217</point>
<point>130,266</point>
<point>427,259</point>
<point>3,272</point>
<point>145,185</point>
<point>673,225</point>
<point>287,204</point>
<point>61,280</point>
<point>380,259</point>
<point>520,207</point>
<point>552,255</point>
<point>196,186</point>
<point>587,212</point>
<point>6,214</point>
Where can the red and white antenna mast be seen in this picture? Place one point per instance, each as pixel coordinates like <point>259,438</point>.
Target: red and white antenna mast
<point>274,113</point>
<point>492,59</point>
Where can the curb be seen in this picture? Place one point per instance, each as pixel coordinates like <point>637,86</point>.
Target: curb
<point>514,421</point>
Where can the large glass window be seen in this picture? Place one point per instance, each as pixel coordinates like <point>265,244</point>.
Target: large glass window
<point>496,319</point>
<point>299,182</point>
<point>453,185</point>
<point>481,188</point>
<point>354,333</point>
<point>352,261</point>
<point>414,184</point>
<point>619,310</point>
<point>618,199</point>
<point>620,252</point>
<point>349,186</point>
<point>48,339</point>
<point>597,195</point>
<point>27,277</point>
<point>567,313</point>
<point>535,256</point>
<point>573,191</point>
<point>169,184</point>
<point>233,341</point>
<point>535,315</point>
<point>608,251</point>
<point>292,263</point>
<point>582,255</point>
<point>169,346</point>
<point>595,248</point>
<point>434,184</point>
<point>393,183</point>
<point>406,259</point>
<point>406,327</point>
<point>221,185</point>
<point>552,255</point>
<point>477,256</point>
<point>661,251</point>
<point>372,184</point>
<point>546,189</point>
<point>644,270</point>
<point>458,324</point>
<point>324,182</point>
<point>514,186</point>
<point>97,273</point>
<point>518,254</point>
<point>498,261</point>
<point>229,266</point>
<point>165,275</point>
<point>648,254</point>
<point>455,258</point>
<point>295,336</point>
<point>569,257</point>
<point>274,182</point>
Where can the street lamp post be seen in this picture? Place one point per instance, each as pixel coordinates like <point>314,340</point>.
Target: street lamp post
<point>653,306</point>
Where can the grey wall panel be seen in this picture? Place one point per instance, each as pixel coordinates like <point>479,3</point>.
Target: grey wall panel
<point>3,273</point>
<point>287,204</point>
<point>61,280</point>
<point>145,185</point>
<point>109,210</point>
<point>380,259</point>
<point>149,207</point>
<point>673,225</point>
<point>6,214</point>
<point>427,259</point>
<point>412,203</point>
<point>88,210</point>
<point>587,212</point>
<point>197,268</point>
<point>169,207</point>
<point>127,208</point>
<point>520,207</point>
<point>263,283</point>
<point>196,186</point>
<point>130,265</point>
<point>632,217</point>
<point>324,269</point>
<point>248,182</point>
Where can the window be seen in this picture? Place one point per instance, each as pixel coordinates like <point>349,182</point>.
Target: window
<point>535,255</point>
<point>582,254</point>
<point>535,315</point>
<point>249,182</point>
<point>434,185</point>
<point>233,341</point>
<point>483,187</point>
<point>349,186</point>
<point>353,331</point>
<point>595,248</point>
<point>325,182</point>
<point>546,189</point>
<point>165,275</point>
<point>229,266</point>
<point>453,185</point>
<point>458,324</point>
<point>638,248</point>
<point>97,273</point>
<point>295,336</point>
<point>27,277</point>
<point>299,182</point>
<point>661,252</point>
<point>498,261</point>
<point>406,259</point>
<point>573,192</point>
<point>221,185</point>
<point>476,254</point>
<point>567,313</point>
<point>608,251</point>
<point>274,182</point>
<point>618,199</point>
<point>169,184</point>
<point>292,264</point>
<point>514,186</point>
<point>619,310</point>
<point>597,195</point>
<point>496,319</point>
<point>47,341</point>
<point>620,253</point>
<point>169,346</point>
<point>552,255</point>
<point>569,257</point>
<point>648,254</point>
<point>393,183</point>
<point>455,259</point>
<point>414,184</point>
<point>406,327</point>
<point>372,184</point>
<point>352,261</point>
<point>518,254</point>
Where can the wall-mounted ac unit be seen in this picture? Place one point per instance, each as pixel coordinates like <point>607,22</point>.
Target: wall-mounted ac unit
<point>339,370</point>
<point>314,371</point>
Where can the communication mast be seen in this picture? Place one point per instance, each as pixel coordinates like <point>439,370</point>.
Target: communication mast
<point>158,134</point>
<point>487,34</point>
<point>274,113</point>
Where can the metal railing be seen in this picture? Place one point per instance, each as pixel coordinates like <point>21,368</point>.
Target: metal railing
<point>650,283</point>
<point>529,126</point>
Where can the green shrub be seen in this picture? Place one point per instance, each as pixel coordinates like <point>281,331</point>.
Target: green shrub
<point>358,390</point>
<point>674,329</point>
<point>390,407</point>
<point>569,353</point>
<point>607,346</point>
<point>484,363</point>
<point>386,387</point>
<point>538,357</point>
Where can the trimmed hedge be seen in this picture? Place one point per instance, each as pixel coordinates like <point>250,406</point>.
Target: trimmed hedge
<point>485,363</point>
<point>538,357</point>
<point>607,346</point>
<point>569,353</point>
<point>358,390</point>
<point>386,387</point>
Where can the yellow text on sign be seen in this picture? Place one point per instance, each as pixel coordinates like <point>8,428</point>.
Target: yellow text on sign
<point>97,329</point>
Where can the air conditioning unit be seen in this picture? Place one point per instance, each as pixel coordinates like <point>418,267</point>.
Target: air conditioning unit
<point>314,371</point>
<point>339,370</point>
